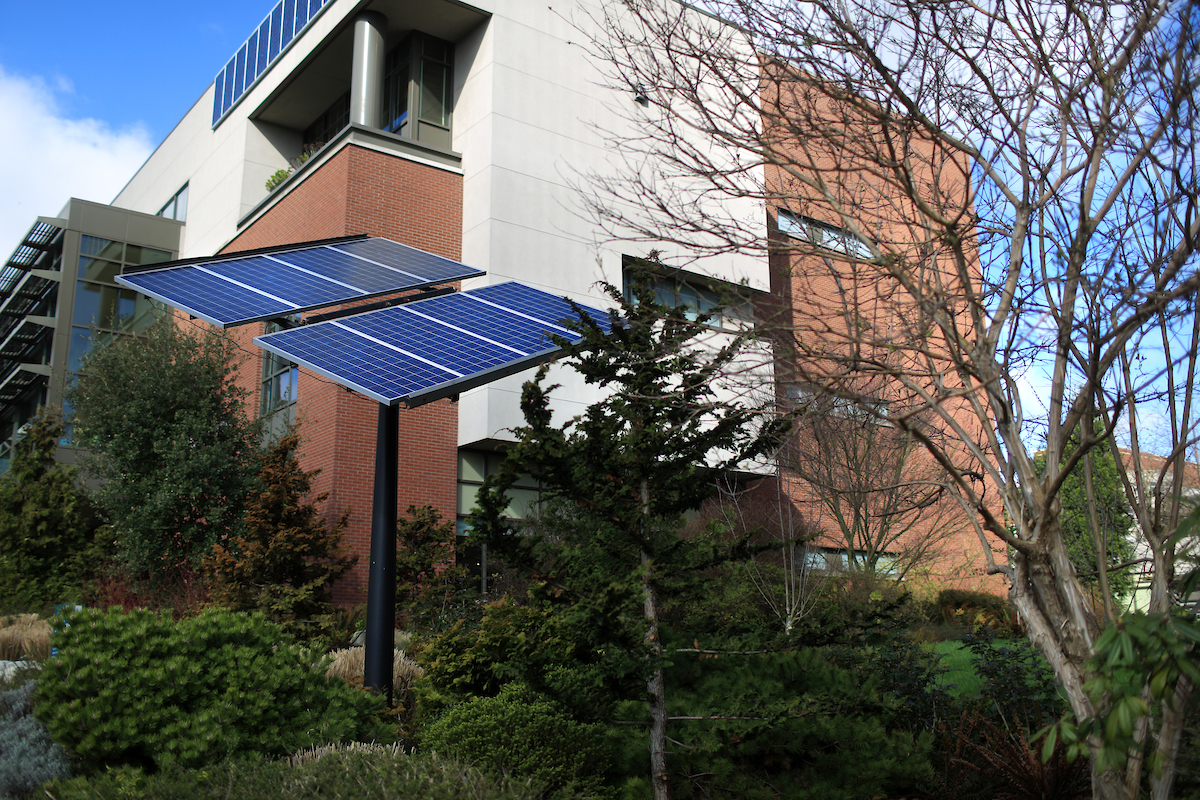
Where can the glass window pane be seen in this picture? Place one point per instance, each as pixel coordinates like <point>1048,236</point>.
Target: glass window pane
<point>467,493</point>
<point>101,248</point>
<point>521,503</point>
<point>93,269</point>
<point>434,83</point>
<point>137,255</point>
<point>472,466</point>
<point>87,303</point>
<point>81,343</point>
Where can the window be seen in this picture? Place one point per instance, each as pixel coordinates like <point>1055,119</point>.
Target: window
<point>417,78</point>
<point>280,387</point>
<point>812,400</point>
<point>326,126</point>
<point>473,467</point>
<point>829,237</point>
<point>176,207</point>
<point>694,293</point>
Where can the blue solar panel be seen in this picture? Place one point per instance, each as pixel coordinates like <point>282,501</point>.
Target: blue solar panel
<point>234,291</point>
<point>435,348</point>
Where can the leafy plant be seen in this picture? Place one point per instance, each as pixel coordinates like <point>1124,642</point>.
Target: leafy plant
<point>522,734</point>
<point>47,524</point>
<point>162,417</point>
<point>140,689</point>
<point>287,559</point>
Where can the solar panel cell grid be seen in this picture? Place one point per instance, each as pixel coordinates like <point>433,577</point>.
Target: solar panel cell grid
<point>387,354</point>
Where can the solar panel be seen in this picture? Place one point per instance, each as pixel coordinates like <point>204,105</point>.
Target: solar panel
<point>237,290</point>
<point>435,348</point>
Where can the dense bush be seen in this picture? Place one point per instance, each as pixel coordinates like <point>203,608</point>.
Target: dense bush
<point>792,724</point>
<point>553,654</point>
<point>360,775</point>
<point>524,735</point>
<point>28,757</point>
<point>140,689</point>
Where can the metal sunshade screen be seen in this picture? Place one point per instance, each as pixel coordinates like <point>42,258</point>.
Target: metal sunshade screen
<point>235,291</point>
<point>434,348</point>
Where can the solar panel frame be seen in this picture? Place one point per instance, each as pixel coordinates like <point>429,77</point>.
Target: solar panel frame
<point>420,352</point>
<point>241,289</point>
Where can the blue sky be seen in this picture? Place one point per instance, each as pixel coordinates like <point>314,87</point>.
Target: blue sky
<point>88,89</point>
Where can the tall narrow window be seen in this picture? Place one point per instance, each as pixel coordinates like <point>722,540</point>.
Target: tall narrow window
<point>417,87</point>
<point>280,385</point>
<point>176,207</point>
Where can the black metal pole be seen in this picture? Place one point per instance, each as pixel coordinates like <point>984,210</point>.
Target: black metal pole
<point>381,578</point>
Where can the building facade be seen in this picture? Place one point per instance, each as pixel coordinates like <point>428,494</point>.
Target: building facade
<point>468,130</point>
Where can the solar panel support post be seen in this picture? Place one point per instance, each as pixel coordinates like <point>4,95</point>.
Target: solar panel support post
<point>381,578</point>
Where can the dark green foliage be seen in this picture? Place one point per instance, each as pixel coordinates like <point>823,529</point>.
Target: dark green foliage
<point>790,724</point>
<point>47,525</point>
<point>1112,516</point>
<point>990,750</point>
<point>429,586</point>
<point>140,689</point>
<point>553,653</point>
<point>362,776</point>
<point>522,734</point>
<point>628,469</point>
<point>28,757</point>
<point>163,420</point>
<point>287,559</point>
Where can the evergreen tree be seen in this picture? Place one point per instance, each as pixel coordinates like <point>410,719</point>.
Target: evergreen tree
<point>1113,519</point>
<point>163,420</point>
<point>632,464</point>
<point>47,524</point>
<point>286,561</point>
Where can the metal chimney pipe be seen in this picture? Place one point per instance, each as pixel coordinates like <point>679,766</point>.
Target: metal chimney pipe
<point>366,77</point>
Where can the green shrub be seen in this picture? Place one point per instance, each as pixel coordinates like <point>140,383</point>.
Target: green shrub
<point>362,776</point>
<point>791,724</point>
<point>140,689</point>
<point>525,735</point>
<point>28,757</point>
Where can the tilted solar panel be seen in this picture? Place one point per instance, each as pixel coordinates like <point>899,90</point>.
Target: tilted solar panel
<point>435,348</point>
<point>237,290</point>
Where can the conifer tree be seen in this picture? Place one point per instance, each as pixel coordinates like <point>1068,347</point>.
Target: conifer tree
<point>46,523</point>
<point>286,561</point>
<point>632,465</point>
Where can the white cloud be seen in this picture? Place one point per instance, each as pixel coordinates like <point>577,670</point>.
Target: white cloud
<point>49,158</point>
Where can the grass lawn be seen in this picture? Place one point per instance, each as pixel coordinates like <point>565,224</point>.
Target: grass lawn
<point>960,679</point>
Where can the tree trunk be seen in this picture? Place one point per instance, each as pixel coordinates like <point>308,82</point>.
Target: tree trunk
<point>655,688</point>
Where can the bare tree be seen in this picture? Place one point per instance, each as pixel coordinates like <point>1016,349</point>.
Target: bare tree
<point>966,199</point>
<point>884,500</point>
<point>781,573</point>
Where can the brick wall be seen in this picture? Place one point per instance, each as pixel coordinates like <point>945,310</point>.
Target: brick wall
<point>364,191</point>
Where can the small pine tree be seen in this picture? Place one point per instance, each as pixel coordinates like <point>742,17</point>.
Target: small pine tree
<point>287,560</point>
<point>427,580</point>
<point>47,524</point>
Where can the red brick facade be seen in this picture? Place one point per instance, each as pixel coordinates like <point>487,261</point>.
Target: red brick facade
<point>364,191</point>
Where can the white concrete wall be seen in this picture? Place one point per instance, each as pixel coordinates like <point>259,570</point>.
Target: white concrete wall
<point>225,168</point>
<point>529,116</point>
<point>530,122</point>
